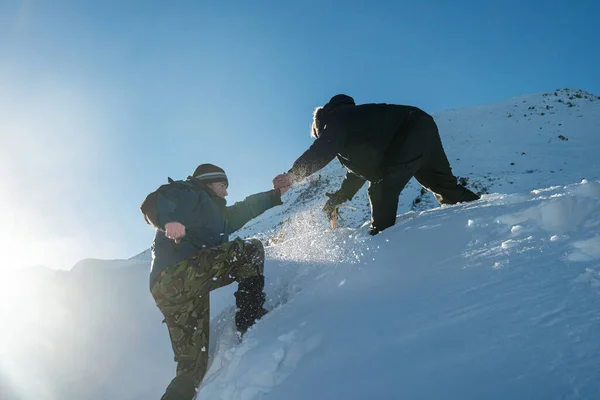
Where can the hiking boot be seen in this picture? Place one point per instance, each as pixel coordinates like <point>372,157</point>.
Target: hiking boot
<point>468,196</point>
<point>244,320</point>
<point>250,299</point>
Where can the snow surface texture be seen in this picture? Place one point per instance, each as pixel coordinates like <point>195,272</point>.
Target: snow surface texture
<point>493,299</point>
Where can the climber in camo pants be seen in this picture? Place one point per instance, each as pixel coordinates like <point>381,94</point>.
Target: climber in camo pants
<point>182,293</point>
<point>192,255</point>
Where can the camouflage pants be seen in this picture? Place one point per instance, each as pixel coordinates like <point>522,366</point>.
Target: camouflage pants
<point>182,293</point>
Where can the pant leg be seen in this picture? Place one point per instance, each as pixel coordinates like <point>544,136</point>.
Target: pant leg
<point>242,261</point>
<point>404,157</point>
<point>383,199</point>
<point>436,174</point>
<point>237,260</point>
<point>182,293</point>
<point>187,314</point>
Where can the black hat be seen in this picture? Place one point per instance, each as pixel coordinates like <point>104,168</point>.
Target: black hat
<point>340,100</point>
<point>209,173</point>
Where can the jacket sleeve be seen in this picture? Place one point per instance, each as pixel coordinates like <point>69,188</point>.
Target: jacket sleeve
<point>175,205</point>
<point>320,153</point>
<point>251,207</point>
<point>350,185</point>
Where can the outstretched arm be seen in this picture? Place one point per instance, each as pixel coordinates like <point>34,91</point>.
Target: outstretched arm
<point>319,154</point>
<point>251,207</point>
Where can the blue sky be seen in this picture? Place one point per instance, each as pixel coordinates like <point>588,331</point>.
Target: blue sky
<point>101,101</point>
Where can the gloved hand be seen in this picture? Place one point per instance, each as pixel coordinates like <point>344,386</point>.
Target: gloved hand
<point>335,199</point>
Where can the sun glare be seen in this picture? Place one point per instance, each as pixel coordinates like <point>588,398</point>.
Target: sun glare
<point>17,304</point>
<point>23,330</point>
<point>15,252</point>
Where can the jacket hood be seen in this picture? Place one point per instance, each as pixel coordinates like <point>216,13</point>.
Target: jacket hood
<point>321,113</point>
<point>337,101</point>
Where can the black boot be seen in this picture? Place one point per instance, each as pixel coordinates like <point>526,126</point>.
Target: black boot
<point>468,196</point>
<point>250,299</point>
<point>182,387</point>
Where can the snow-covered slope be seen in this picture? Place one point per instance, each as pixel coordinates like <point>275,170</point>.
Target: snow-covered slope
<point>497,299</point>
<point>493,299</point>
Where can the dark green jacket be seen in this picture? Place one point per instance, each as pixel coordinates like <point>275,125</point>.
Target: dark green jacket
<point>207,219</point>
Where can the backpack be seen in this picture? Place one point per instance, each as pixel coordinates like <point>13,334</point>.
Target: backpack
<point>149,206</point>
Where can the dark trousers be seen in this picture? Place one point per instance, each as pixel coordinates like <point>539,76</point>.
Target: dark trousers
<point>416,151</point>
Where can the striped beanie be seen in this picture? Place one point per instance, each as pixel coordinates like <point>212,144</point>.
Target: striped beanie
<point>208,173</point>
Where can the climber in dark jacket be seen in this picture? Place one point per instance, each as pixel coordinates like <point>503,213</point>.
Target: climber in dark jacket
<point>192,256</point>
<point>384,144</point>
